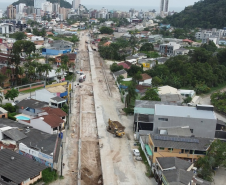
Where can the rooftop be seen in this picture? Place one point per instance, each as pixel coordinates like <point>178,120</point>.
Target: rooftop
<point>150,104</point>
<point>178,177</point>
<point>31,103</point>
<point>34,137</point>
<point>52,120</point>
<point>3,111</point>
<point>58,99</point>
<point>183,111</point>
<point>173,163</point>
<point>145,77</point>
<point>181,142</point>
<point>167,90</point>
<point>118,73</point>
<point>54,111</point>
<point>18,168</point>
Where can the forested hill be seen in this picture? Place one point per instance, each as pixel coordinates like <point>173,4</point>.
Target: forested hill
<point>63,3</point>
<point>203,14</point>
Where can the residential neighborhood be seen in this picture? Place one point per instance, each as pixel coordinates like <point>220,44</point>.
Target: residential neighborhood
<point>99,96</point>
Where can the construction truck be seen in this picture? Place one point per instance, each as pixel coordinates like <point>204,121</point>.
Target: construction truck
<point>115,128</point>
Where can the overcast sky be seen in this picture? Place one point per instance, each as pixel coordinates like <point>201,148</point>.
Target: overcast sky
<point>132,3</point>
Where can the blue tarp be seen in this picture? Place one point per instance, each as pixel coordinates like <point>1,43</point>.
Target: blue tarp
<point>64,94</point>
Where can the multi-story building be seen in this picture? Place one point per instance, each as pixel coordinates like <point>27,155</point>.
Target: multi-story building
<point>20,8</point>
<point>56,7</point>
<point>76,4</point>
<point>47,7</point>
<point>0,14</point>
<point>11,12</point>
<point>168,49</point>
<point>38,3</point>
<point>102,13</point>
<point>64,12</point>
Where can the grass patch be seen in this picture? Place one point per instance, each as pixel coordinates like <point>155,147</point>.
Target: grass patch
<point>126,83</point>
<point>219,87</point>
<point>32,90</point>
<point>145,161</point>
<point>49,175</point>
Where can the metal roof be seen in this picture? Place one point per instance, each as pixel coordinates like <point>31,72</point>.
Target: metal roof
<point>14,134</point>
<point>200,144</point>
<point>183,111</point>
<point>18,168</point>
<point>171,162</point>
<point>58,99</point>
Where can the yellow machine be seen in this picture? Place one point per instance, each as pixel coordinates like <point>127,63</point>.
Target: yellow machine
<point>113,127</point>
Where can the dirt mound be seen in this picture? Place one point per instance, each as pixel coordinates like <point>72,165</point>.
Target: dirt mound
<point>87,172</point>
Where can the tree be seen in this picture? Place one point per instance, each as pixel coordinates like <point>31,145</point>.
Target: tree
<point>12,94</point>
<point>187,100</point>
<point>106,30</point>
<point>215,157</point>
<point>120,78</point>
<point>151,94</point>
<point>137,77</point>
<point>147,47</point>
<point>2,78</point>
<point>134,70</point>
<point>46,69</point>
<point>210,46</point>
<point>115,67</point>
<point>18,35</point>
<point>1,98</point>
<point>156,81</point>
<point>133,42</point>
<point>58,71</point>
<point>132,94</point>
<point>65,62</point>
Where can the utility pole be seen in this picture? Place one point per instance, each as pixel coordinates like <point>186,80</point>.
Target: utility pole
<point>62,159</point>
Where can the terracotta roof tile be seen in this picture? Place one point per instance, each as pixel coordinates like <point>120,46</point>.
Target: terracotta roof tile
<point>54,111</point>
<point>52,120</point>
<point>145,77</point>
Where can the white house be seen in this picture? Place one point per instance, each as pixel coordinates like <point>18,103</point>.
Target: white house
<point>146,79</point>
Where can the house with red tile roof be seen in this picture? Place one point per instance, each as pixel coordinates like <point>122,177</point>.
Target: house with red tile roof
<point>124,65</point>
<point>48,119</point>
<point>146,79</point>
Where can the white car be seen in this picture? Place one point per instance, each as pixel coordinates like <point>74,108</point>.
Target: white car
<point>136,152</point>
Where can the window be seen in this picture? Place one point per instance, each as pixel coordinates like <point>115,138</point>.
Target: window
<point>170,149</point>
<point>161,148</point>
<point>191,130</point>
<point>187,151</point>
<point>163,119</point>
<point>155,149</point>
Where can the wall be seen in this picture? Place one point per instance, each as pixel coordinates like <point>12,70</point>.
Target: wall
<point>10,146</point>
<point>32,181</point>
<point>36,155</point>
<point>2,115</point>
<point>146,81</point>
<point>41,125</point>
<point>201,127</point>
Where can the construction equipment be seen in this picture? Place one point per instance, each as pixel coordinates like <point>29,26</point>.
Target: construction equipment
<point>115,128</point>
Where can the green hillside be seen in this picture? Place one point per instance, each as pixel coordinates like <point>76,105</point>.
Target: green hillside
<point>203,14</point>
<point>63,3</point>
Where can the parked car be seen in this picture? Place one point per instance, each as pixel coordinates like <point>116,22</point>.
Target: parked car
<point>136,152</point>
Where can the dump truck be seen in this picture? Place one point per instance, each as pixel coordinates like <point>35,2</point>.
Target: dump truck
<point>115,128</point>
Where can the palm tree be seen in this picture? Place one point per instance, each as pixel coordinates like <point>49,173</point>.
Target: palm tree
<point>21,72</point>
<point>47,68</point>
<point>39,70</point>
<point>132,94</point>
<point>63,67</point>
<point>1,98</point>
<point>58,71</point>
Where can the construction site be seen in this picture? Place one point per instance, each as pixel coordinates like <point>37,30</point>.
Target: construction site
<point>99,142</point>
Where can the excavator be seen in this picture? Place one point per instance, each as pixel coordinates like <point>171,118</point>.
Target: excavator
<point>113,128</point>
